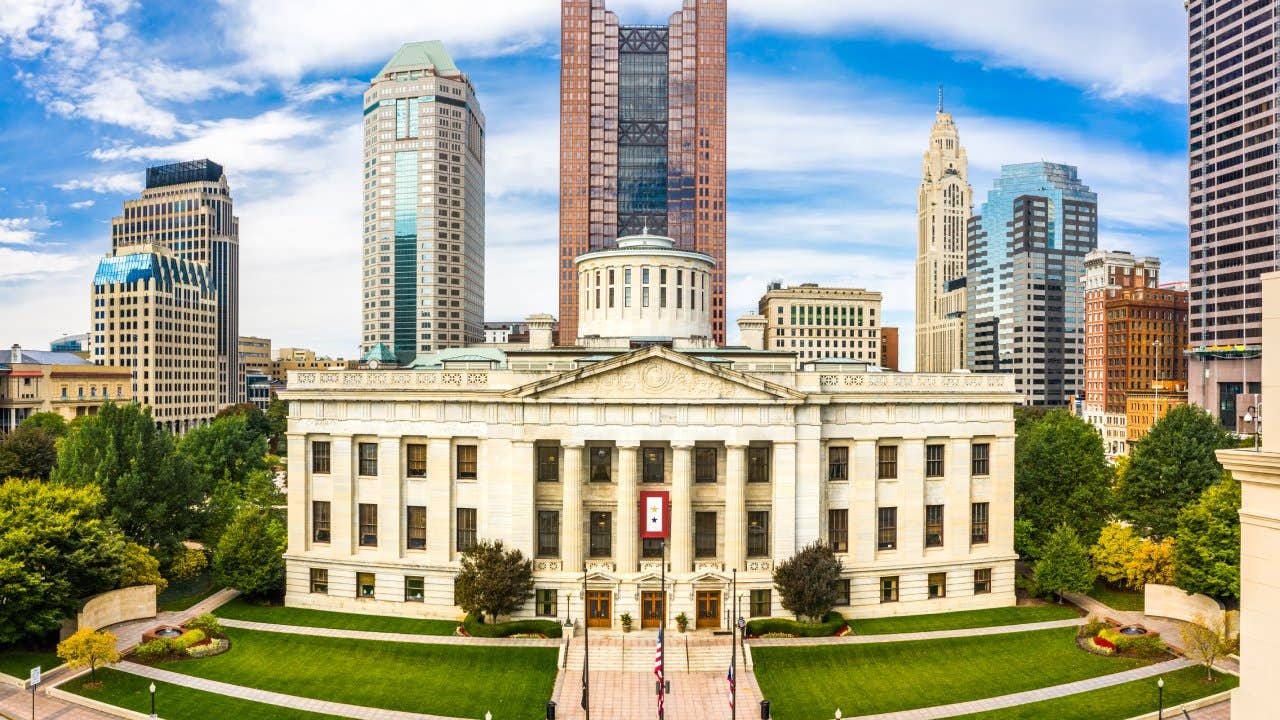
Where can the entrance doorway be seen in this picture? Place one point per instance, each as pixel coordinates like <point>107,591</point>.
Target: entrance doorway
<point>708,609</point>
<point>652,609</point>
<point>599,608</point>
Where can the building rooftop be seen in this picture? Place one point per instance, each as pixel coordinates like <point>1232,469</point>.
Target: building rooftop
<point>42,357</point>
<point>429,53</point>
<point>189,171</point>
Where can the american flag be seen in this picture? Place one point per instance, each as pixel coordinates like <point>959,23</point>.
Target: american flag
<point>730,679</point>
<point>658,670</point>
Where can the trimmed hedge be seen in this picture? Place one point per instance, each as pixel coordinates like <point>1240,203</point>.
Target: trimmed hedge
<point>187,639</point>
<point>475,627</point>
<point>831,624</point>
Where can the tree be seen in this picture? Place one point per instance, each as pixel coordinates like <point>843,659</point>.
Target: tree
<point>1064,566</point>
<point>223,456</point>
<point>228,497</point>
<point>1206,641</point>
<point>55,548</point>
<point>139,567</point>
<point>250,555</point>
<point>28,451</point>
<point>50,422</point>
<point>1207,551</point>
<point>277,423</point>
<point>253,415</point>
<point>1113,551</point>
<point>89,648</point>
<point>150,494</point>
<point>809,581</point>
<point>1152,562</point>
<point>1169,468</point>
<point>1061,476</point>
<point>187,564</point>
<point>494,581</point>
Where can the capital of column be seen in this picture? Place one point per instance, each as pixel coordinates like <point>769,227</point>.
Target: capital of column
<point>522,443</point>
<point>627,444</point>
<point>579,444</point>
<point>737,444</point>
<point>682,444</point>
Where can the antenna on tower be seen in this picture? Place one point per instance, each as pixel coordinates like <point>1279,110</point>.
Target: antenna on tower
<point>939,97</point>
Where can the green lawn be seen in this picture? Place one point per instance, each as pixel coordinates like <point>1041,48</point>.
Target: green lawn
<point>18,662</point>
<point>812,681</point>
<point>174,702</point>
<point>241,609</point>
<point>1117,702</point>
<point>964,619</point>
<point>1116,597</point>
<point>180,596</point>
<point>514,683</point>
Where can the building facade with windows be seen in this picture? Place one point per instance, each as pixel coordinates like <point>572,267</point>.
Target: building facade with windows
<point>34,381</point>
<point>817,323</point>
<point>422,191</point>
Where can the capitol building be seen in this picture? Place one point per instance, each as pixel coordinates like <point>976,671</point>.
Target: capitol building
<point>396,470</point>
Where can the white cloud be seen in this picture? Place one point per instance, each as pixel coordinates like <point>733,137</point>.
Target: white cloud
<point>25,230</point>
<point>83,204</point>
<point>20,264</point>
<point>114,183</point>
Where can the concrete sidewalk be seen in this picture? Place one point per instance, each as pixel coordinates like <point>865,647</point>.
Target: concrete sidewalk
<point>908,637</point>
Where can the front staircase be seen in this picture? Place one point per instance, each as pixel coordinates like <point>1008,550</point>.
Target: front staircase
<point>633,652</point>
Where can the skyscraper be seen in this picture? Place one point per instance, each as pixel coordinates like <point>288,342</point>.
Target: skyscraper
<point>186,207</point>
<point>1025,266</point>
<point>1233,106</point>
<point>945,202</point>
<point>642,138</point>
<point>423,198</point>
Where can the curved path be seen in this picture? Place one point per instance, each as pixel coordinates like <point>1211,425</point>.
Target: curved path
<point>387,636</point>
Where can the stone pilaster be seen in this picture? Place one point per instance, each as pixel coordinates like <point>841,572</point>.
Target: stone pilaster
<point>863,501</point>
<point>627,528</point>
<point>959,496</point>
<point>911,499</point>
<point>391,514</point>
<point>571,527</point>
<point>521,516</point>
<point>788,507</point>
<point>342,521</point>
<point>439,501</point>
<point>735,506</point>
<point>299,493</point>
<point>681,507</point>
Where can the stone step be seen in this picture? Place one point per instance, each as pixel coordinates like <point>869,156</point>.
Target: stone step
<point>638,657</point>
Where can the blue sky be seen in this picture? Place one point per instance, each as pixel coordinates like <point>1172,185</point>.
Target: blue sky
<point>830,104</point>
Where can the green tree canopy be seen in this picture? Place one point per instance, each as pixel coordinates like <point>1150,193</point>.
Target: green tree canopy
<point>809,581</point>
<point>1064,565</point>
<point>1169,468</point>
<point>50,422</point>
<point>250,555</point>
<point>277,423</point>
<point>256,419</point>
<point>1061,476</point>
<point>493,580</point>
<point>55,548</point>
<point>1207,551</point>
<point>150,493</point>
<point>259,489</point>
<point>229,448</point>
<point>28,451</point>
<point>140,567</point>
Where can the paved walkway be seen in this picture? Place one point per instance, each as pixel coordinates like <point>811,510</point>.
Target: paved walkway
<point>929,635</point>
<point>388,636</point>
<point>1170,630</point>
<point>619,695</point>
<point>129,633</point>
<point>293,702</point>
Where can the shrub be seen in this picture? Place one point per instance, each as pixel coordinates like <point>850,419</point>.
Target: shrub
<point>206,623</point>
<point>832,623</point>
<point>89,648</point>
<point>476,627</point>
<point>213,648</point>
<point>187,639</point>
<point>1104,643</point>
<point>1147,646</point>
<point>1094,626</point>
<point>187,563</point>
<point>153,651</point>
<point>1099,646</point>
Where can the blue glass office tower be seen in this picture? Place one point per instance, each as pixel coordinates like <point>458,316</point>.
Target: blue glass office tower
<point>1025,269</point>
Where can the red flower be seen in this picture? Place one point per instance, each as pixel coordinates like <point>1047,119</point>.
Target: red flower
<point>1103,642</point>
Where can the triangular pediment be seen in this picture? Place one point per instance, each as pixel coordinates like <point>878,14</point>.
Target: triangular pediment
<point>652,374</point>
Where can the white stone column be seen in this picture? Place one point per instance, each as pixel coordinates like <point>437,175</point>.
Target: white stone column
<point>735,506</point>
<point>299,494</point>
<point>521,495</point>
<point>681,507</point>
<point>628,501</point>
<point>439,501</point>
<point>571,530</point>
<point>391,514</point>
<point>788,485</point>
<point>862,502</point>
<point>342,521</point>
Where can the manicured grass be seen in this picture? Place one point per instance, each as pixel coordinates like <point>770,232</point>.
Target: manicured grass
<point>241,609</point>
<point>181,596</point>
<point>964,619</point>
<point>18,662</point>
<point>455,680</point>
<point>1119,701</point>
<point>1117,598</point>
<point>812,681</point>
<point>174,702</point>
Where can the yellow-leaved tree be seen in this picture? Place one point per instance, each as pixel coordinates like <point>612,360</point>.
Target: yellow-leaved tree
<point>1152,562</point>
<point>1116,546</point>
<point>89,648</point>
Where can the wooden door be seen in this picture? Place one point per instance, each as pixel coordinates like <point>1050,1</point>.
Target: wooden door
<point>708,609</point>
<point>600,608</point>
<point>651,609</point>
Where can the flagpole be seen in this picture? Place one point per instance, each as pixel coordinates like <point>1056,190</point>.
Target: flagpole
<point>733,659</point>
<point>586,647</point>
<point>662,633</point>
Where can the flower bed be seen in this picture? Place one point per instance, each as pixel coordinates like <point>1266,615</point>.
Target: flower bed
<point>472,627</point>
<point>833,623</point>
<point>1101,638</point>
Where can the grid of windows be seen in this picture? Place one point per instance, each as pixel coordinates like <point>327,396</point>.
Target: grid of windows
<point>758,533</point>
<point>416,521</point>
<point>368,459</point>
<point>368,524</point>
<point>549,533</point>
<point>704,534</point>
<point>319,581</point>
<point>838,530</point>
<point>548,463</point>
<point>601,464</point>
<point>652,460</point>
<point>466,529</point>
<point>978,522</point>
<point>466,462</point>
<point>601,534</point>
<point>758,464</point>
<point>887,528</point>
<point>934,457</point>
<point>320,456</point>
<point>416,457</point>
<point>887,462</point>
<point>704,465</point>
<point>761,603</point>
<point>933,525</point>
<point>414,589</point>
<point>320,521</point>
<point>547,602</point>
<point>981,461</point>
<point>837,464</point>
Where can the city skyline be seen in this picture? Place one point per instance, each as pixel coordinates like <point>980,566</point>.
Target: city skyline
<point>845,187</point>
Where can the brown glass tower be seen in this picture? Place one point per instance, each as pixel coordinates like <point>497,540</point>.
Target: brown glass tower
<point>642,138</point>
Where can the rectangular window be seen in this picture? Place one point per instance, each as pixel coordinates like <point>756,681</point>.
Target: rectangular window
<point>416,522</point>
<point>651,548</point>
<point>937,585</point>
<point>414,589</point>
<point>548,463</point>
<point>844,593</point>
<point>548,533</point>
<point>416,455</point>
<point>652,461</point>
<point>369,459</point>
<point>466,529</point>
<point>887,528</point>
<point>548,602</point>
<point>982,581</point>
<point>978,522</point>
<point>933,526</point>
<point>626,296</point>
<point>981,459</point>
<point>761,603</point>
<point>888,589</point>
<point>320,456</point>
<point>704,464</point>
<point>601,534</point>
<point>368,525</point>
<point>758,464</point>
<point>320,521</point>
<point>933,460</point>
<point>365,585</point>
<point>837,464</point>
<point>467,462</point>
<point>644,296</point>
<point>704,534</point>
<point>838,530</point>
<point>758,533</point>
<point>320,581</point>
<point>601,464</point>
<point>887,465</point>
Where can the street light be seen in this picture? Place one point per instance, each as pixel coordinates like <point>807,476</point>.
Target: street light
<point>1254,416</point>
<point>153,699</point>
<point>1160,712</point>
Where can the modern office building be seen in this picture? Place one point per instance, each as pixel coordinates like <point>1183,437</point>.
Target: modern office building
<point>1025,292</point>
<point>819,323</point>
<point>1233,106</point>
<point>156,314</point>
<point>945,203</point>
<point>422,188</point>
<point>34,381</point>
<point>79,343</point>
<point>642,138</point>
<point>257,386</point>
<point>255,352</point>
<point>186,207</point>
<point>295,358</point>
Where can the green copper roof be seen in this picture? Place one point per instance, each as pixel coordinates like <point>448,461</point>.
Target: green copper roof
<point>418,54</point>
<point>380,352</point>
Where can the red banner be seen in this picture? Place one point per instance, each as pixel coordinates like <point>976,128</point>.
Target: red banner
<point>654,509</point>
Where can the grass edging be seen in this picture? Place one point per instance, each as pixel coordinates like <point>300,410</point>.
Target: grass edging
<point>1196,704</point>
<point>108,708</point>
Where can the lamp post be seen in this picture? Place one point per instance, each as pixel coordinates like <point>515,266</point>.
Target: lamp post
<point>153,699</point>
<point>1254,416</point>
<point>1160,711</point>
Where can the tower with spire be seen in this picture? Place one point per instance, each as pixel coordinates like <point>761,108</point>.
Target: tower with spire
<point>945,203</point>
